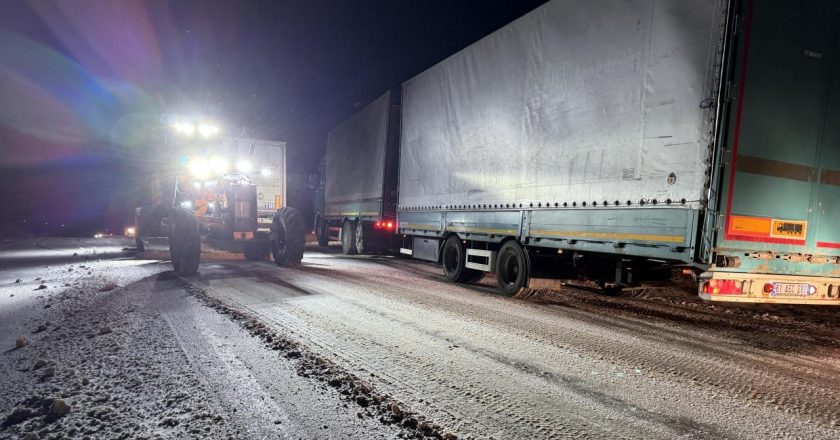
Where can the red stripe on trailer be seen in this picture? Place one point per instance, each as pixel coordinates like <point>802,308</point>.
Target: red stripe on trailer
<point>742,87</point>
<point>826,244</point>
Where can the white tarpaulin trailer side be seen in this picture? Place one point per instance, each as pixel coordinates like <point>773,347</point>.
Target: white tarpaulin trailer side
<point>573,102</point>
<point>356,154</point>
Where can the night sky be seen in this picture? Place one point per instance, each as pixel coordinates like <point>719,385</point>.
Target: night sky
<point>82,82</point>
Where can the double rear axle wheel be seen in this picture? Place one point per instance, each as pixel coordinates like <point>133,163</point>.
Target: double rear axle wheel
<point>511,266</point>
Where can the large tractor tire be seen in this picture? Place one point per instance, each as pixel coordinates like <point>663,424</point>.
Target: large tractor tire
<point>348,237</point>
<point>184,242</point>
<point>147,224</point>
<point>322,231</point>
<point>256,250</point>
<point>288,237</point>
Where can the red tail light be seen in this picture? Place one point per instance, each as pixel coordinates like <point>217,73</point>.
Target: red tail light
<point>384,225</point>
<point>723,287</point>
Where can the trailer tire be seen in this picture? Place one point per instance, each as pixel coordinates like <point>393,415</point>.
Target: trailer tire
<point>288,237</point>
<point>348,237</point>
<point>256,250</point>
<point>362,242</point>
<point>322,231</point>
<point>511,268</point>
<point>184,242</point>
<point>454,260</point>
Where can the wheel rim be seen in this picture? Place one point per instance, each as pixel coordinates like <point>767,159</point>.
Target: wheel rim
<point>509,269</point>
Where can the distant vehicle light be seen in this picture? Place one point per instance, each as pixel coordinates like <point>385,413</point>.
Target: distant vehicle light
<point>243,166</point>
<point>130,231</point>
<point>197,185</point>
<point>186,204</point>
<point>219,164</point>
<point>98,235</point>
<point>265,172</point>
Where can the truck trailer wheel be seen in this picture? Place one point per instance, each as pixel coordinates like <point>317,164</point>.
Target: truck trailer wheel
<point>322,231</point>
<point>184,242</point>
<point>288,237</point>
<point>362,241</point>
<point>511,268</point>
<point>454,258</point>
<point>348,237</point>
<point>256,250</point>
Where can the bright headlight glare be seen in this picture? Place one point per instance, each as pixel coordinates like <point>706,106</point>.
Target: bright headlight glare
<point>265,172</point>
<point>199,167</point>
<point>184,128</point>
<point>243,166</point>
<point>207,130</point>
<point>219,164</point>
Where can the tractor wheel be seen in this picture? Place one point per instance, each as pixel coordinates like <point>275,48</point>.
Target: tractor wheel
<point>348,237</point>
<point>184,242</point>
<point>256,250</point>
<point>322,231</point>
<point>288,237</point>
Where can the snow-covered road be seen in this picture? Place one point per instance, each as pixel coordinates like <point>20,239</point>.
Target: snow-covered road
<point>561,364</point>
<point>380,347</point>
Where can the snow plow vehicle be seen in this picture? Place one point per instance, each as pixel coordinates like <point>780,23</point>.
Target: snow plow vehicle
<point>229,195</point>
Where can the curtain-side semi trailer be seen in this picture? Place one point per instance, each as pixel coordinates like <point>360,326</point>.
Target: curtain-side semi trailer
<point>358,200</point>
<point>614,139</point>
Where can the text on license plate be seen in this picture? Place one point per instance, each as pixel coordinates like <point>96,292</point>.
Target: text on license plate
<point>791,289</point>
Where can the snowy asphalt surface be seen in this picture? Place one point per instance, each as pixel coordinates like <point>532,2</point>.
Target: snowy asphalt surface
<point>381,347</point>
